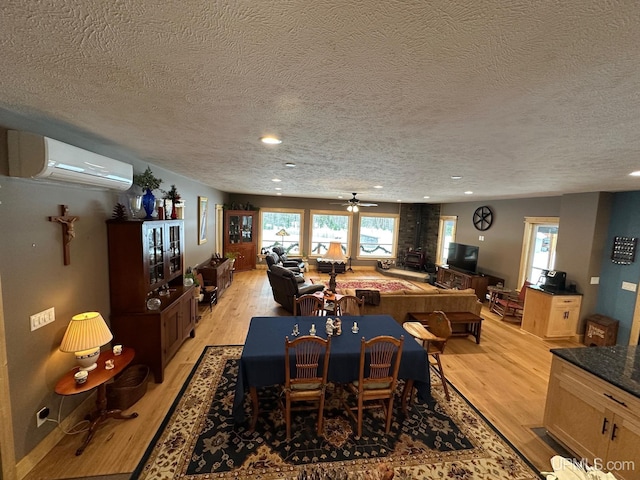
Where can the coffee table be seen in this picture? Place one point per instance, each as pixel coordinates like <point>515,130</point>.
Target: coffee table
<point>471,322</point>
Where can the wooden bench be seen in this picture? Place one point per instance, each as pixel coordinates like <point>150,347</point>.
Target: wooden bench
<point>470,322</point>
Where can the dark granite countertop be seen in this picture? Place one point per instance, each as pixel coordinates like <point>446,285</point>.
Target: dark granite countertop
<point>552,291</point>
<point>619,365</point>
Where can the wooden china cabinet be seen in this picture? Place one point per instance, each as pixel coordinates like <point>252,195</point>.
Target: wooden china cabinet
<point>151,311</point>
<point>240,237</point>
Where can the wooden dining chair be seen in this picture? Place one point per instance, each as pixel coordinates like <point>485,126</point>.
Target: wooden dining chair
<point>440,326</point>
<point>308,305</point>
<point>307,380</point>
<point>349,305</point>
<point>377,378</point>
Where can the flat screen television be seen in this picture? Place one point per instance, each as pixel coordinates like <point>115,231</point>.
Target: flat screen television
<point>463,257</point>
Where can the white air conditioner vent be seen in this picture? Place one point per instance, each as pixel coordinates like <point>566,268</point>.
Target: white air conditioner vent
<point>38,157</point>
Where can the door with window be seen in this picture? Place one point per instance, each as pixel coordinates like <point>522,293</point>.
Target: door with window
<point>446,235</point>
<point>538,248</point>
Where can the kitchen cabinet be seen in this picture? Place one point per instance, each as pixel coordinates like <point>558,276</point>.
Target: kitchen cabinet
<point>146,262</point>
<point>594,419</point>
<point>551,315</point>
<point>240,237</point>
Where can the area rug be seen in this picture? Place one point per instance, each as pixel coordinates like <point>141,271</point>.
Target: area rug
<point>436,440</point>
<point>383,284</point>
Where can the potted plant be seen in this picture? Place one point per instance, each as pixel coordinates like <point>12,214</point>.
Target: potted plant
<point>232,257</point>
<point>148,182</point>
<point>174,196</point>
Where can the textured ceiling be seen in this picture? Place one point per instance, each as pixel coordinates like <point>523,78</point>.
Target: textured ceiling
<point>520,98</point>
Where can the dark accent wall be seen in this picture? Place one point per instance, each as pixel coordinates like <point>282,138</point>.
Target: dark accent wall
<point>418,229</point>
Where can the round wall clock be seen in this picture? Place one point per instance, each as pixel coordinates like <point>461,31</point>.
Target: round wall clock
<point>482,218</point>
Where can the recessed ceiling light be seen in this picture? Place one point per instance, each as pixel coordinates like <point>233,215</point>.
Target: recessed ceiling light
<point>398,200</point>
<point>340,196</point>
<point>279,193</point>
<point>456,177</point>
<point>468,192</point>
<point>378,186</point>
<point>278,188</point>
<point>635,174</point>
<point>276,180</point>
<point>290,165</point>
<point>271,140</point>
<point>426,196</point>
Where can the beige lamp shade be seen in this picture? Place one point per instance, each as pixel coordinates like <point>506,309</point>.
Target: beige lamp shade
<point>334,254</point>
<point>85,334</point>
<point>282,233</point>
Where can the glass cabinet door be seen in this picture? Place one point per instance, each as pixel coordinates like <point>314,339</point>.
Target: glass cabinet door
<point>175,249</point>
<point>247,229</point>
<point>155,239</point>
<point>234,228</point>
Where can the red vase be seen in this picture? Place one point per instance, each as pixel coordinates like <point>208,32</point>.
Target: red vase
<point>174,213</point>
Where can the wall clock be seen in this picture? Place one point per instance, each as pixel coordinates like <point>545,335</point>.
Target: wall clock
<point>482,218</point>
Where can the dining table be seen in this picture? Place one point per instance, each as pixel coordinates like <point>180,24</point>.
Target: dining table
<point>262,361</point>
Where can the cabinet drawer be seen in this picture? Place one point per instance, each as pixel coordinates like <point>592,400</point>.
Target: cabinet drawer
<point>566,302</point>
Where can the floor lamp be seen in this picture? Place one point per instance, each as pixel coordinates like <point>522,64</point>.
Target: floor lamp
<point>334,255</point>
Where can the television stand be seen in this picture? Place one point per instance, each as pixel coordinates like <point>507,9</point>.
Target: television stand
<point>449,278</point>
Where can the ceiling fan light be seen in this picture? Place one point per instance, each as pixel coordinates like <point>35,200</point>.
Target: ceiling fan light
<point>350,208</point>
<point>355,208</point>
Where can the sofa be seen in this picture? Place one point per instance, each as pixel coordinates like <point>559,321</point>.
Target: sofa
<point>399,304</point>
<point>285,286</point>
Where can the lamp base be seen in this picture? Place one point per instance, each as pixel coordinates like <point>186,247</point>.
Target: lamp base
<point>87,359</point>
<point>332,278</point>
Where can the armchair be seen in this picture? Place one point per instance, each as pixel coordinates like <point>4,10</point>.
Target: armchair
<point>286,288</point>
<point>273,259</point>
<point>286,261</point>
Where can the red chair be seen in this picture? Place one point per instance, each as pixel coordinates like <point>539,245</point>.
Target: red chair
<point>510,304</point>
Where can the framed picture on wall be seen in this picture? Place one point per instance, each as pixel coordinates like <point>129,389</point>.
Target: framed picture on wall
<point>203,211</point>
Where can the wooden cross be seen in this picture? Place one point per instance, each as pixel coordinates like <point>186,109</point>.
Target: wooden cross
<point>68,230</point>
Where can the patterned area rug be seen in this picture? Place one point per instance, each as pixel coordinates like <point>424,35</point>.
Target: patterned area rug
<point>384,285</point>
<point>438,439</point>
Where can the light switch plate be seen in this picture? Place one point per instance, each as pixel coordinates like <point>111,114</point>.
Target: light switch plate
<point>629,286</point>
<point>43,318</point>
<point>595,280</point>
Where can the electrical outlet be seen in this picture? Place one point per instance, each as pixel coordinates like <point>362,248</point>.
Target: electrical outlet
<point>42,415</point>
<point>43,318</point>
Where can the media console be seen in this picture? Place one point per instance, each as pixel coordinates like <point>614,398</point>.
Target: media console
<point>449,278</point>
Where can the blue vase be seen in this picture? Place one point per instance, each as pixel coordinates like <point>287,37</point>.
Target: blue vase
<point>149,204</point>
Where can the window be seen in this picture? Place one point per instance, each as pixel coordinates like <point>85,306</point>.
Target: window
<point>281,227</point>
<point>446,235</point>
<point>327,227</point>
<point>377,236</point>
<point>538,248</point>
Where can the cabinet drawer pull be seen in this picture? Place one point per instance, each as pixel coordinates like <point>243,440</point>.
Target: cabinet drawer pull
<point>611,397</point>
<point>613,431</point>
<point>605,422</point>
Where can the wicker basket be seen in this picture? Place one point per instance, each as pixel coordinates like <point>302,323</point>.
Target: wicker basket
<point>128,388</point>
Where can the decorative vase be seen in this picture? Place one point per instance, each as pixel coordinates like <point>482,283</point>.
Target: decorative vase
<point>149,204</point>
<point>174,212</point>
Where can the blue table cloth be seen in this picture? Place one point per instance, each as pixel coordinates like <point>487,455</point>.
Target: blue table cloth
<point>262,360</point>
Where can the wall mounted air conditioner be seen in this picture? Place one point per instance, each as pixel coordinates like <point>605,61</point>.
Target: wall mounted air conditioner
<point>38,157</point>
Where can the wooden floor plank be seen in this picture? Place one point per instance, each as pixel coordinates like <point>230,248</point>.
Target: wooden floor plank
<point>505,377</point>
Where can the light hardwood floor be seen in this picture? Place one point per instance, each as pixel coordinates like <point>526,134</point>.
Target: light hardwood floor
<point>505,377</point>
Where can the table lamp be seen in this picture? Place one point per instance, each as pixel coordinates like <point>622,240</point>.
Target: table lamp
<point>334,255</point>
<point>86,333</point>
<point>282,233</point>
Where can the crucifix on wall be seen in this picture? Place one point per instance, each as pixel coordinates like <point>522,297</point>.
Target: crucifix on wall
<point>68,230</point>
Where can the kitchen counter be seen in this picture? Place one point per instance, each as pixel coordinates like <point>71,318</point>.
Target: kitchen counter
<point>551,291</point>
<point>618,364</point>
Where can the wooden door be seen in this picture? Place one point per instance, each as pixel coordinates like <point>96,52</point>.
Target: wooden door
<point>624,447</point>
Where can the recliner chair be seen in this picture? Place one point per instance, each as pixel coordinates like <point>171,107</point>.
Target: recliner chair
<point>286,261</point>
<point>286,288</point>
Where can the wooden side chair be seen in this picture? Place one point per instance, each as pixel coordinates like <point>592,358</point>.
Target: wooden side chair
<point>377,378</point>
<point>349,305</point>
<point>308,305</point>
<point>209,292</point>
<point>307,380</point>
<point>440,326</point>
<point>511,304</point>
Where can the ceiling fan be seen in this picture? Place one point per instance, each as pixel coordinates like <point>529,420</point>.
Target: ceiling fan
<point>353,204</point>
